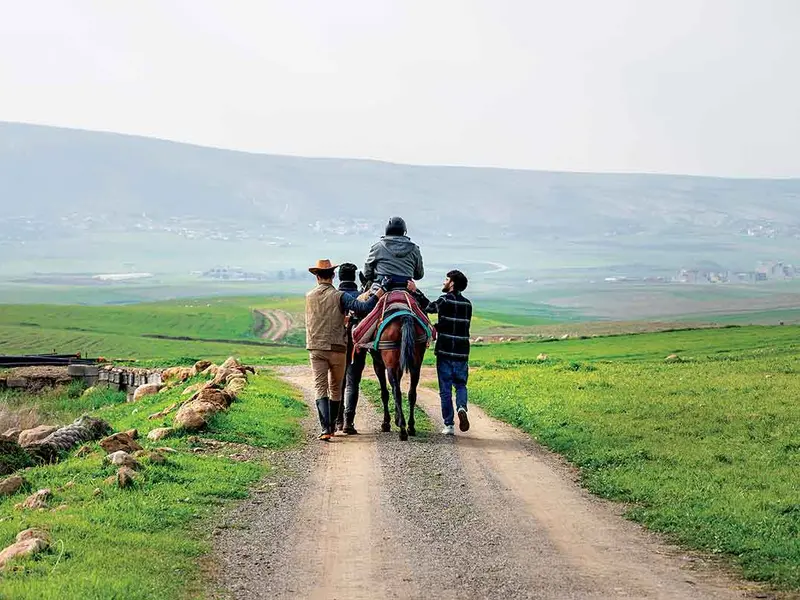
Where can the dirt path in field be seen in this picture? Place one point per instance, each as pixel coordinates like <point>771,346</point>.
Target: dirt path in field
<point>487,514</point>
<point>277,324</point>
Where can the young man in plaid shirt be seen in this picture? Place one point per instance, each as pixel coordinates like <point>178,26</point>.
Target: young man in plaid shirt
<point>452,345</point>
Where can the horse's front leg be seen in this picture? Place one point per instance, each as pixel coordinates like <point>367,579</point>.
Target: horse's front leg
<point>412,400</point>
<point>380,372</point>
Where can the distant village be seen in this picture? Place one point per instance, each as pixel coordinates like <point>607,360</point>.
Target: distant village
<point>765,271</point>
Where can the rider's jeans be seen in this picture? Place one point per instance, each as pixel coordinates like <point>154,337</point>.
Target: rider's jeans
<point>452,373</point>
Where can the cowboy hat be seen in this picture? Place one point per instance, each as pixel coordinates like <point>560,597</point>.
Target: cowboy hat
<point>323,264</point>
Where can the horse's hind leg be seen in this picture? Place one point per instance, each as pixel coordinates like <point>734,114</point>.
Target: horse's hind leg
<point>380,372</point>
<point>399,418</point>
<point>412,399</point>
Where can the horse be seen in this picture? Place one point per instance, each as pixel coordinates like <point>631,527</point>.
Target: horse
<point>401,349</point>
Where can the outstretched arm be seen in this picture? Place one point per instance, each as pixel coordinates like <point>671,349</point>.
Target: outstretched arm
<point>357,306</point>
<point>425,304</point>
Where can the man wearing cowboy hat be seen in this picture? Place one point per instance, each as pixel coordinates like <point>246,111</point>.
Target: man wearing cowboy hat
<point>326,339</point>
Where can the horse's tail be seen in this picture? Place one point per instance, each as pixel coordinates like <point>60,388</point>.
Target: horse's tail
<point>408,343</point>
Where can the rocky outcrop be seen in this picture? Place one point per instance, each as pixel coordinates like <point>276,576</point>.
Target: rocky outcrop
<point>32,436</point>
<point>120,441</point>
<point>148,389</point>
<point>11,485</point>
<point>28,543</point>
<point>36,500</point>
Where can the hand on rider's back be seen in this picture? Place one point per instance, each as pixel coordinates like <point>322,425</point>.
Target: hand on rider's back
<point>412,287</point>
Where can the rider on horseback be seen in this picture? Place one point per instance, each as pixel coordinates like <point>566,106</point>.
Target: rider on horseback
<point>394,257</point>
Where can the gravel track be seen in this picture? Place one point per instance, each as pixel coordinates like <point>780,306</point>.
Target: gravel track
<point>488,514</point>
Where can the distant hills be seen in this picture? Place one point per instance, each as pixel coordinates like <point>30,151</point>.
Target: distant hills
<point>67,195</point>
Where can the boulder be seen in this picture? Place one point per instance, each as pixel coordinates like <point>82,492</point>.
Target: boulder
<point>29,437</point>
<point>542,357</point>
<point>119,441</point>
<point>121,458</point>
<point>11,485</point>
<point>160,433</point>
<point>176,374</point>
<point>133,433</point>
<point>36,500</point>
<point>565,336</point>
<point>200,366</point>
<point>125,477</point>
<point>236,385</point>
<point>479,340</point>
<point>230,363</point>
<point>12,434</point>
<point>194,415</point>
<point>673,358</point>
<point>147,389</point>
<point>28,543</point>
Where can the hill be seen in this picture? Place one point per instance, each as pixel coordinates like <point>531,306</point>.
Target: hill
<point>82,203</point>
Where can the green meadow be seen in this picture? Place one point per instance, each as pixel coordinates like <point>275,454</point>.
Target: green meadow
<point>704,447</point>
<point>144,542</point>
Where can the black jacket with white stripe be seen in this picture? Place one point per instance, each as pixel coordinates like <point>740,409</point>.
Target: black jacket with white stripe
<point>455,315</point>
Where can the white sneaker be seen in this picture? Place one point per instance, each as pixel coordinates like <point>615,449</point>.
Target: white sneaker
<point>449,430</point>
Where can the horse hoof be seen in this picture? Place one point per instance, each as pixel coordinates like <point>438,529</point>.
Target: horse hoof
<point>412,431</point>
<point>385,427</point>
<point>403,435</point>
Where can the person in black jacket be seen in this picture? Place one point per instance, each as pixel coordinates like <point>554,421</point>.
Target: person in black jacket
<point>452,345</point>
<point>355,364</point>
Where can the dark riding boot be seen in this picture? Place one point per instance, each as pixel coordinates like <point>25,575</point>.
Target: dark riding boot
<point>323,411</point>
<point>336,414</point>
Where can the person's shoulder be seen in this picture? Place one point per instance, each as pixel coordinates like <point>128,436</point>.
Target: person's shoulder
<point>459,298</point>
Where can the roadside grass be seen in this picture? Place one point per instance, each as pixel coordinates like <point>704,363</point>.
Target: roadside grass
<point>144,542</point>
<point>59,405</point>
<point>372,391</point>
<point>730,343</point>
<point>705,451</point>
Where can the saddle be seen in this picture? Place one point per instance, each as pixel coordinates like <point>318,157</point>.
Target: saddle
<point>394,304</point>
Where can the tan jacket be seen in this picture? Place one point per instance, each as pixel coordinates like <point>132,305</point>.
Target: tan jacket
<point>324,319</point>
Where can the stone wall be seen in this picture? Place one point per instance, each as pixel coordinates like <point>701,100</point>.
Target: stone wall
<point>123,379</point>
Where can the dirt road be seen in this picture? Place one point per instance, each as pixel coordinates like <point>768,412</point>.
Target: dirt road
<point>277,324</point>
<point>487,514</point>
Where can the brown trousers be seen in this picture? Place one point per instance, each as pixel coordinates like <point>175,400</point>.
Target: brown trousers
<point>328,368</point>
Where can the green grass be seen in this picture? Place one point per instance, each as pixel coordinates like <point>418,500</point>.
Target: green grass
<point>144,542</point>
<point>126,331</point>
<point>705,451</point>
<point>719,344</point>
<point>62,405</point>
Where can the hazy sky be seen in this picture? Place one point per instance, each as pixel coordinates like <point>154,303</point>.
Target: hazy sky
<point>682,86</point>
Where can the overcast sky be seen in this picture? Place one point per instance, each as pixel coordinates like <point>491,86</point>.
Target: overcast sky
<point>706,87</point>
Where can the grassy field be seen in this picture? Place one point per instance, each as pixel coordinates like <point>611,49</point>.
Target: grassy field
<point>727,343</point>
<point>704,450</point>
<point>144,542</point>
<point>122,332</point>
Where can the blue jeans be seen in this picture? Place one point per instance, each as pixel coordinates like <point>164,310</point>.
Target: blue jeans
<point>452,373</point>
